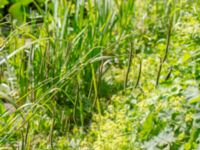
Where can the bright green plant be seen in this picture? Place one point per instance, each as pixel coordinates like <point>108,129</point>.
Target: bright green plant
<point>106,74</point>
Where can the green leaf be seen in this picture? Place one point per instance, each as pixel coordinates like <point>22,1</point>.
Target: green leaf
<point>194,100</point>
<point>17,11</point>
<point>2,108</point>
<point>146,127</point>
<point>26,2</point>
<point>3,3</point>
<point>186,57</point>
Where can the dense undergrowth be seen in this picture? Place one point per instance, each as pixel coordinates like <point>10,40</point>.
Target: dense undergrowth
<point>91,74</point>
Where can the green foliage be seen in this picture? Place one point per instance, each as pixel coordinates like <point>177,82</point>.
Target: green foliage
<point>3,3</point>
<point>107,74</point>
<point>17,9</point>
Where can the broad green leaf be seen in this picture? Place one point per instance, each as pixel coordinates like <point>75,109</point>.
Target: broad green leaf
<point>26,2</point>
<point>146,127</point>
<point>195,100</point>
<point>186,57</point>
<point>3,3</point>
<point>187,146</point>
<point>17,11</point>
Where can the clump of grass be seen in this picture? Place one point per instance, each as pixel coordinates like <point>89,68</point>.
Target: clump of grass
<point>54,71</point>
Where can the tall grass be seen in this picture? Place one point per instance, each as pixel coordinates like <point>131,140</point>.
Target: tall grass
<point>55,69</point>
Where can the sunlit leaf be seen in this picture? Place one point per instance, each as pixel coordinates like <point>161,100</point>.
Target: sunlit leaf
<point>194,100</point>
<point>17,11</point>
<point>26,2</point>
<point>147,127</point>
<point>3,3</point>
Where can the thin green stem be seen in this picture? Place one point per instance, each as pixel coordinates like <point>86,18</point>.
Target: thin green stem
<point>129,64</point>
